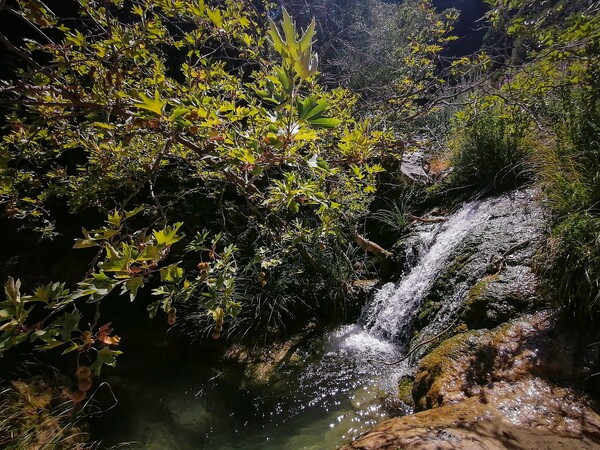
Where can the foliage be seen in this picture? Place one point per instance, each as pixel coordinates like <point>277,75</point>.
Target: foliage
<point>490,148</point>
<point>172,116</point>
<point>570,175</point>
<point>391,53</point>
<point>552,77</point>
<point>397,216</point>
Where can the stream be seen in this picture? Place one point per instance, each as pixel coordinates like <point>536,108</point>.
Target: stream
<point>336,388</point>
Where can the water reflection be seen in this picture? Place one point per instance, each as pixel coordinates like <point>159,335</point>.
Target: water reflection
<point>335,393</point>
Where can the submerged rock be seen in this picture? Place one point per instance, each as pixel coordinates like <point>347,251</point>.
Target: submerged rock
<point>190,414</point>
<point>262,364</point>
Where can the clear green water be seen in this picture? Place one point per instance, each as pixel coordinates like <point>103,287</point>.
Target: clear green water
<point>329,394</point>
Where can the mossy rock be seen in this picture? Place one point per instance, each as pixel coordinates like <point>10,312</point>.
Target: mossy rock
<point>529,346</point>
<point>497,298</point>
<point>405,388</point>
<point>434,375</point>
<point>426,313</point>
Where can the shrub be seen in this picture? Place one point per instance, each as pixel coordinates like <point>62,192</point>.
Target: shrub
<point>572,265</point>
<point>570,176</point>
<point>490,150</point>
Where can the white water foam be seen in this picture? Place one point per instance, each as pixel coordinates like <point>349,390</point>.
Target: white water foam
<point>387,320</point>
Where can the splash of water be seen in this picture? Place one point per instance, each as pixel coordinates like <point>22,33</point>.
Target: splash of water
<point>390,315</point>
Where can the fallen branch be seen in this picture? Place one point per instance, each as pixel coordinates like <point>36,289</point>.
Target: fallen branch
<point>370,246</point>
<point>427,219</point>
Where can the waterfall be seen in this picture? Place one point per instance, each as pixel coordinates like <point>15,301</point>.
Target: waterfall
<point>390,315</point>
<point>385,324</point>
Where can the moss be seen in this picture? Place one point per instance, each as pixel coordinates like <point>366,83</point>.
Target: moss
<point>436,369</point>
<point>497,298</point>
<point>477,291</point>
<point>455,272</point>
<point>405,388</point>
<point>429,308</point>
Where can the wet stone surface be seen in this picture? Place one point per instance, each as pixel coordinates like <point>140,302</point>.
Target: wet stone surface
<point>517,386</point>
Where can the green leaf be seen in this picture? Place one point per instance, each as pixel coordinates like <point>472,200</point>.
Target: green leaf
<point>215,17</point>
<point>12,288</point>
<point>169,235</point>
<point>132,285</point>
<point>96,288</point>
<point>152,309</point>
<point>66,324</point>
<point>85,243</point>
<point>105,356</point>
<point>114,218</point>
<point>116,261</point>
<point>155,105</point>
<point>324,122</point>
<point>41,294</point>
<point>311,108</point>
<point>135,211</point>
<point>171,273</point>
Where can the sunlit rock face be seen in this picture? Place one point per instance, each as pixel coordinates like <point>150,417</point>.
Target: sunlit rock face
<point>516,386</point>
<point>494,239</point>
<point>481,424</point>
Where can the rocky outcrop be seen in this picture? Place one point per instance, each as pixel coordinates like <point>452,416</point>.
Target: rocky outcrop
<point>489,275</point>
<point>493,421</point>
<point>497,298</point>
<point>513,376</point>
<point>516,386</point>
<point>533,346</point>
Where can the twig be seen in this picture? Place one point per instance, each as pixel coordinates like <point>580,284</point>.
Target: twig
<point>416,347</point>
<point>426,219</point>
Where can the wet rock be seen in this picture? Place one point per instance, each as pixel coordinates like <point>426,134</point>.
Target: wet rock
<point>488,278</point>
<point>405,387</point>
<point>517,386</point>
<point>497,298</point>
<point>160,438</point>
<point>501,418</point>
<point>531,346</point>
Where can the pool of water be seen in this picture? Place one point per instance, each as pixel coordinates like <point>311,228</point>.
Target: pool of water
<point>334,390</point>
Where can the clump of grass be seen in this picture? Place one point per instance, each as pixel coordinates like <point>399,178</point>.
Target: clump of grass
<point>33,416</point>
<point>572,265</point>
<point>490,150</point>
<point>397,216</point>
<point>570,175</point>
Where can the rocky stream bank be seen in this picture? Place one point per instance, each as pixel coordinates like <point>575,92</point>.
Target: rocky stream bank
<point>511,373</point>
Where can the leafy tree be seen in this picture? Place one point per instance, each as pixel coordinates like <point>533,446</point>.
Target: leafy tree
<point>170,116</point>
<point>391,53</point>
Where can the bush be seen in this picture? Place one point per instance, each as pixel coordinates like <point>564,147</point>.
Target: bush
<point>490,150</point>
<point>570,176</point>
<point>572,265</point>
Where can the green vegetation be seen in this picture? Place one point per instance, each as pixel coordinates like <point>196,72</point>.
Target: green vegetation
<point>491,150</point>
<point>223,182</point>
<point>552,78</point>
<point>107,124</point>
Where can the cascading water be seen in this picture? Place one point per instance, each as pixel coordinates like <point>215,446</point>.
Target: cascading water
<point>390,314</point>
